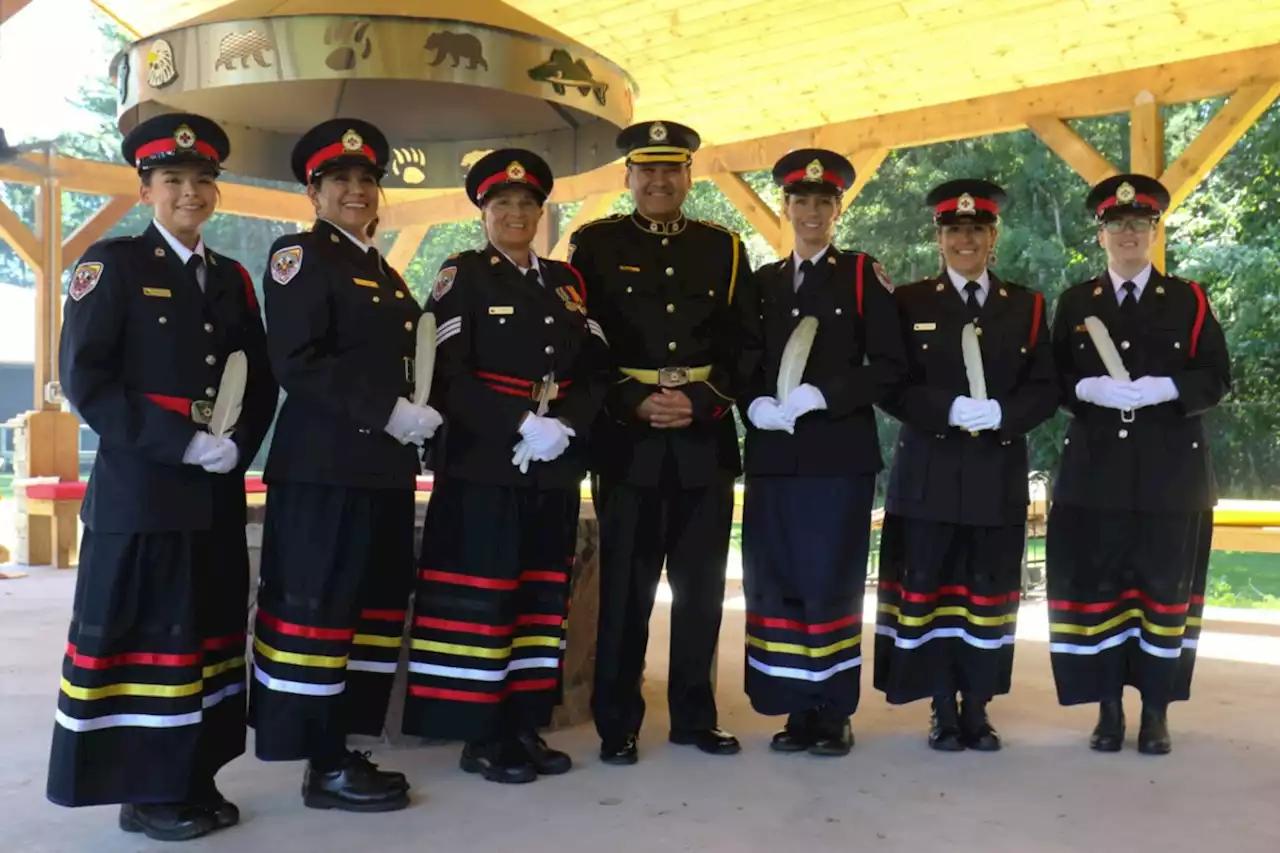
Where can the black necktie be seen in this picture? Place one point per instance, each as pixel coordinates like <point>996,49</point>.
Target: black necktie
<point>1129,302</point>
<point>193,270</point>
<point>806,267</point>
<point>971,298</point>
<point>531,276</point>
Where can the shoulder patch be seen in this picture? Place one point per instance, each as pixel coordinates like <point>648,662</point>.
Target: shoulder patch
<point>85,279</point>
<point>443,283</point>
<point>882,276</point>
<point>285,264</point>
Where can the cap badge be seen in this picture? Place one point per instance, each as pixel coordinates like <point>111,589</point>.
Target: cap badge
<point>184,136</point>
<point>1125,193</point>
<point>352,141</point>
<point>814,171</point>
<point>515,171</point>
<point>965,204</point>
<point>658,132</point>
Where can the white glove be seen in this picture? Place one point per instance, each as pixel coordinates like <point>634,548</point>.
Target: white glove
<point>1155,390</point>
<point>544,439</point>
<point>963,410</point>
<point>1108,393</point>
<point>981,415</point>
<point>765,413</point>
<point>200,446</point>
<point>802,401</point>
<point>222,457</point>
<point>412,424</point>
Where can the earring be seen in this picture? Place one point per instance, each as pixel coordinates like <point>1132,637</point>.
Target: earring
<point>991,258</point>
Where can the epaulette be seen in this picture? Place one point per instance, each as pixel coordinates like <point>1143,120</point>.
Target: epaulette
<point>613,217</point>
<point>717,226</point>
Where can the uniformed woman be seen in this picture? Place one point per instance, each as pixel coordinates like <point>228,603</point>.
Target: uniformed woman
<point>521,375</point>
<point>1132,518</point>
<point>337,550</point>
<point>811,463</point>
<point>955,523</point>
<point>153,681</point>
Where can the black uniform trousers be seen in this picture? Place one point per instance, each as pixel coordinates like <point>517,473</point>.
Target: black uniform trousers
<point>1126,595</point>
<point>947,608</point>
<point>337,566</point>
<point>153,679</point>
<point>490,607</point>
<point>804,562</point>
<point>641,528</point>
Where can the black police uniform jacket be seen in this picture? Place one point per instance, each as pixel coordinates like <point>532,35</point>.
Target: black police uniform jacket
<point>141,358</point>
<point>1160,462</point>
<point>342,333</point>
<point>499,335</point>
<point>857,357</point>
<point>668,295</point>
<point>941,472</point>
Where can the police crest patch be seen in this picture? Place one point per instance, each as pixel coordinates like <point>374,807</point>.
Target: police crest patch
<point>84,279</point>
<point>285,264</point>
<point>443,283</point>
<point>883,276</point>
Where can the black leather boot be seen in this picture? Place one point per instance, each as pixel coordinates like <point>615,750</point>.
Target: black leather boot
<point>976,731</point>
<point>944,725</point>
<point>797,735</point>
<point>832,734</point>
<point>1108,734</point>
<point>354,784</point>
<point>545,760</point>
<point>505,762</point>
<point>205,795</point>
<point>1153,735</point>
<point>166,821</point>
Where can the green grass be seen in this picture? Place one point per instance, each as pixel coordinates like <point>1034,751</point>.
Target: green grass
<point>6,485</point>
<point>1243,579</point>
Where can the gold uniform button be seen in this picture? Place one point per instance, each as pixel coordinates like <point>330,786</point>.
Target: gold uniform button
<point>666,242</point>
<point>629,290</point>
<point>408,325</point>
<point>671,309</point>
<point>671,347</point>
<point>670,271</point>
<point>1195,445</point>
<point>550,350</point>
<point>1023,350</point>
<point>711,293</point>
<point>399,294</point>
<point>795,312</point>
<point>377,299</point>
<point>1066,441</point>
<point>208,327</point>
<point>839,311</point>
<point>333,238</point>
<point>548,321</point>
<point>208,359</point>
<point>1177,344</point>
<point>977,330</point>
<point>1124,345</point>
<point>163,320</point>
<point>211,391</point>
<point>1124,433</point>
<point>924,346</point>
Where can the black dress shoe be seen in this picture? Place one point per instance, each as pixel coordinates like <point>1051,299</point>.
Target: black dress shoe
<point>798,734</point>
<point>207,796</point>
<point>354,785</point>
<point>710,741</point>
<point>166,821</point>
<point>944,725</point>
<point>833,737</point>
<point>1108,734</point>
<point>1153,735</point>
<point>620,751</point>
<point>976,731</point>
<point>546,761</point>
<point>504,763</point>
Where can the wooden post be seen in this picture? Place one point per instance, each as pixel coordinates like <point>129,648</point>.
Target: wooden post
<point>548,231</point>
<point>405,248</point>
<point>1146,156</point>
<point>753,208</point>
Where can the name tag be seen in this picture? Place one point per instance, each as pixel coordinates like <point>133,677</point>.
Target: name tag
<point>501,310</point>
<point>364,282</point>
<point>925,327</point>
<point>163,292</point>
<point>628,269</point>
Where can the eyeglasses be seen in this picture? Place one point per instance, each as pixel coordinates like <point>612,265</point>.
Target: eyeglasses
<point>1140,226</point>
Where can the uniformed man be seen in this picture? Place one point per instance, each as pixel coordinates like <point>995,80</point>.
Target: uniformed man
<point>666,291</point>
<point>954,531</point>
<point>153,681</point>
<point>811,463</point>
<point>1132,518</point>
<point>522,373</point>
<point>337,549</point>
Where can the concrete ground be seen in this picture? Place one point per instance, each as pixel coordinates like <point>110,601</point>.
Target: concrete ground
<point>1045,792</point>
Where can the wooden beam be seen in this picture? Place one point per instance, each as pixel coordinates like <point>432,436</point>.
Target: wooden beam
<point>865,163</point>
<point>19,237</point>
<point>9,8</point>
<point>1216,139</point>
<point>1173,82</point>
<point>548,232</point>
<point>48,303</point>
<point>1146,156</point>
<point>405,248</point>
<point>94,227</point>
<point>753,208</point>
<point>1071,147</point>
<point>592,207</point>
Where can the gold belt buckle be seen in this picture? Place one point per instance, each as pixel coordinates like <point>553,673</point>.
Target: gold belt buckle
<point>673,377</point>
<point>536,392</point>
<point>201,411</point>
